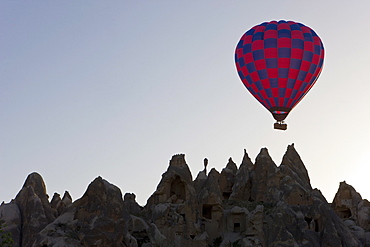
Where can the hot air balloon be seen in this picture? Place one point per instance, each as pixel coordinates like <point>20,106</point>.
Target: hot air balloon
<point>279,62</point>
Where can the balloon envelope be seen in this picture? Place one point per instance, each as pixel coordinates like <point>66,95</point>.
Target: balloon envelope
<point>279,62</point>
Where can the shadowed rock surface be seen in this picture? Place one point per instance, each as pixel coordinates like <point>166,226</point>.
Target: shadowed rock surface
<point>257,204</point>
<point>34,207</point>
<point>354,211</point>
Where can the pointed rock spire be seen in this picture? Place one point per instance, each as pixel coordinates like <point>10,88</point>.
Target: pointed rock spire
<point>176,185</point>
<point>101,207</point>
<point>227,178</point>
<point>346,202</point>
<point>247,161</point>
<point>293,166</point>
<point>205,165</point>
<point>58,204</point>
<point>231,165</point>
<point>264,170</point>
<point>67,198</point>
<point>36,182</point>
<point>265,162</point>
<point>211,193</point>
<point>242,187</point>
<point>33,203</point>
<point>55,200</point>
<point>201,177</point>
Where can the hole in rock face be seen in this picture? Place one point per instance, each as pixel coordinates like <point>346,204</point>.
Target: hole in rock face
<point>343,212</point>
<point>226,195</point>
<point>178,188</point>
<point>236,227</point>
<point>346,213</point>
<point>183,217</point>
<point>308,220</point>
<point>316,226</point>
<point>207,211</point>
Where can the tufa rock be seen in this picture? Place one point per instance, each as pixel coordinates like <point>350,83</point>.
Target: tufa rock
<point>201,177</point>
<point>242,187</point>
<point>210,206</point>
<point>131,205</point>
<point>294,167</point>
<point>346,201</point>
<point>55,201</point>
<point>173,206</point>
<point>354,211</point>
<point>226,179</point>
<point>34,207</point>
<point>257,204</point>
<point>11,216</point>
<point>58,204</point>
<point>205,165</point>
<point>263,178</point>
<point>98,219</point>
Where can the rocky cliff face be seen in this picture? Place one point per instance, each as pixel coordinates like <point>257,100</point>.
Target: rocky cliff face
<point>258,204</point>
<point>354,211</point>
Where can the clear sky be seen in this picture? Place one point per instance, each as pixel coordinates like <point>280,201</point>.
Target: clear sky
<point>115,88</point>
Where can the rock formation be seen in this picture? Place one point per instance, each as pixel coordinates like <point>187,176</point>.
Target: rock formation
<point>172,208</point>
<point>34,207</point>
<point>98,218</point>
<point>257,204</point>
<point>354,211</point>
<point>9,212</point>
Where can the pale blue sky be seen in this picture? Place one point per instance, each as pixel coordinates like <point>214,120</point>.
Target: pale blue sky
<point>115,88</point>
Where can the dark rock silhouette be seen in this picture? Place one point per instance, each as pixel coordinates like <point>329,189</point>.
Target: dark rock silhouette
<point>258,204</point>
<point>35,209</point>
<point>354,211</point>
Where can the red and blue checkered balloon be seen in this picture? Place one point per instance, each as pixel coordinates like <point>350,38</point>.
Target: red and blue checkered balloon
<point>279,62</point>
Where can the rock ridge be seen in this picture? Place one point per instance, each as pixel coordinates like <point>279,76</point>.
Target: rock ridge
<point>255,204</point>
